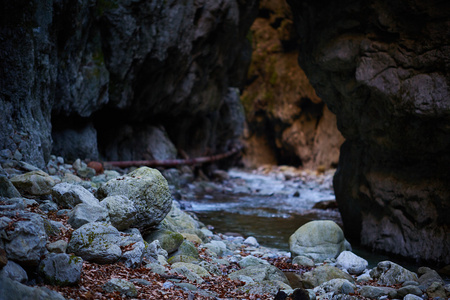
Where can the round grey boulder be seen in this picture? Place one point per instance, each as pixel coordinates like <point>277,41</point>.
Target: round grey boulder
<point>351,262</point>
<point>121,211</point>
<point>36,183</point>
<point>319,240</point>
<point>389,273</point>
<point>122,286</point>
<point>84,213</point>
<point>61,269</point>
<point>96,242</point>
<point>149,192</point>
<point>69,195</point>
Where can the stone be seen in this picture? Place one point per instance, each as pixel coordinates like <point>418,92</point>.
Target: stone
<point>35,183</point>
<point>149,192</point>
<point>260,273</point>
<point>7,189</point>
<point>434,290</point>
<point>25,244</point>
<point>121,211</point>
<point>193,238</point>
<point>217,247</point>
<point>318,240</point>
<point>412,297</point>
<point>69,195</point>
<point>58,246</point>
<point>180,221</point>
<point>389,273</point>
<point>182,270</point>
<point>169,240</point>
<point>187,249</point>
<point>375,292</point>
<point>85,213</point>
<point>14,271</point>
<point>251,261</point>
<point>428,276</point>
<point>133,247</point>
<point>351,262</point>
<point>156,268</point>
<point>251,241</point>
<point>97,166</point>
<point>200,271</point>
<point>86,172</point>
<point>303,261</point>
<point>323,274</point>
<point>96,242</point>
<point>410,289</point>
<point>12,290</point>
<point>122,286</point>
<point>337,286</point>
<point>265,287</point>
<point>153,251</point>
<point>61,269</point>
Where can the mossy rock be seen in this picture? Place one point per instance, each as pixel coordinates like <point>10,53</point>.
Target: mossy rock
<point>169,240</point>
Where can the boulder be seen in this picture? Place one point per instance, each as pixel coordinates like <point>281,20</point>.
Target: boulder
<point>13,290</point>
<point>25,242</point>
<point>122,286</point>
<point>337,286</point>
<point>133,248</point>
<point>428,276</point>
<point>96,242</point>
<point>219,248</point>
<point>35,183</point>
<point>85,213</point>
<point>69,195</point>
<point>200,271</point>
<point>323,274</point>
<point>59,246</point>
<point>375,292</point>
<point>251,261</point>
<point>153,250</point>
<point>180,221</point>
<point>14,272</point>
<point>184,271</point>
<point>351,262</point>
<point>389,273</point>
<point>265,287</point>
<point>435,290</point>
<point>61,269</point>
<point>318,240</point>
<point>149,192</point>
<point>169,240</point>
<point>260,273</point>
<point>410,289</point>
<point>303,261</point>
<point>121,211</point>
<point>187,249</point>
<point>7,189</point>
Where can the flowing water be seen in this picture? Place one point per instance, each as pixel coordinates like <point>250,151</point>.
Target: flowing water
<point>271,207</point>
<point>268,207</point>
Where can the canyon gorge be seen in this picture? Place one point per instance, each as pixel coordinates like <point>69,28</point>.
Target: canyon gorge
<point>152,79</point>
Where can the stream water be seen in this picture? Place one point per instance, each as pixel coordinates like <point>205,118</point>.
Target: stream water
<point>271,207</point>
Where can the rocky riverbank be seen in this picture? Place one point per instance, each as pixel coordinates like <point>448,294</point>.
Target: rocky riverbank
<point>76,231</point>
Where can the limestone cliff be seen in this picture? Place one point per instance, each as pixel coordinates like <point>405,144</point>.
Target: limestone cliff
<point>287,122</point>
<point>383,68</point>
<point>88,78</point>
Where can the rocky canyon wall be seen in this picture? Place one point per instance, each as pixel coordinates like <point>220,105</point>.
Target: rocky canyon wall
<point>110,79</point>
<point>383,68</point>
<point>287,123</point>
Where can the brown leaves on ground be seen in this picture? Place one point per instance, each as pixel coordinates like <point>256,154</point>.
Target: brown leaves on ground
<point>94,276</point>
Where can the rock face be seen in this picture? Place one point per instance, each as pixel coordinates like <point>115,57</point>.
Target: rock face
<point>383,70</point>
<point>287,122</point>
<point>87,73</point>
